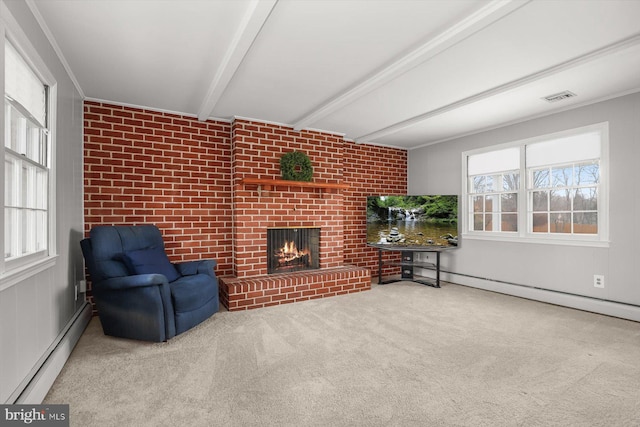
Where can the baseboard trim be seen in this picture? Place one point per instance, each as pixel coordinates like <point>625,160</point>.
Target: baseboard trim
<point>50,365</point>
<point>594,305</point>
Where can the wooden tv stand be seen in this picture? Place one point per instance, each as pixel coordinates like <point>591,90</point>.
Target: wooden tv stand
<point>407,263</point>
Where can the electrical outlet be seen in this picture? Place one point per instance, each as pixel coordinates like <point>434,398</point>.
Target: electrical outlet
<point>598,280</point>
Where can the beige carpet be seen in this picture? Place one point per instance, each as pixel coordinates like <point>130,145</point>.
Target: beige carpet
<point>399,355</point>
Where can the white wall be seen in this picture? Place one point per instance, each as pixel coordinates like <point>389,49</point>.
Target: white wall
<point>35,313</point>
<point>565,270</point>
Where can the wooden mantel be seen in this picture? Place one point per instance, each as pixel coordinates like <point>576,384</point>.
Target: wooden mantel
<point>268,184</point>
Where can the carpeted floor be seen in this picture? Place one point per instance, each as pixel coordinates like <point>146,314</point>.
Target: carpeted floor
<point>399,355</point>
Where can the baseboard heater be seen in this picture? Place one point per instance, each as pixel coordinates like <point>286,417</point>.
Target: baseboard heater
<point>37,383</point>
<point>566,299</point>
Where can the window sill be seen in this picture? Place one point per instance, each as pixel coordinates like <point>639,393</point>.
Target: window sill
<point>539,240</point>
<point>17,275</point>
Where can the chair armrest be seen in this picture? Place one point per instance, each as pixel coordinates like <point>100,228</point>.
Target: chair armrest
<point>203,266</point>
<point>138,307</point>
<point>127,282</point>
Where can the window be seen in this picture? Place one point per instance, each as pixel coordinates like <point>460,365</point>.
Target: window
<point>494,180</point>
<point>550,188</point>
<point>26,162</point>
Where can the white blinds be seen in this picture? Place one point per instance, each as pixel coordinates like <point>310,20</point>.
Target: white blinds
<point>496,161</point>
<point>23,86</point>
<point>575,148</point>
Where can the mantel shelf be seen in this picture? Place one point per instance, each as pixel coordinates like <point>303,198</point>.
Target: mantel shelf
<point>267,184</point>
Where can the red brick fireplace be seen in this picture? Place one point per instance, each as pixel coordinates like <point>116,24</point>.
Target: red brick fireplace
<point>262,201</point>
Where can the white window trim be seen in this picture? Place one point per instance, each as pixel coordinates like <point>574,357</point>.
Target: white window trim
<point>17,275</point>
<point>21,269</point>
<point>522,235</point>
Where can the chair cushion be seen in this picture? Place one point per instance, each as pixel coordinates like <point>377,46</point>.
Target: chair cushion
<point>150,261</point>
<point>192,292</point>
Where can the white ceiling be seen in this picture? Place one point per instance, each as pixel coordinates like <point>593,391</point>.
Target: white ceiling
<point>401,73</point>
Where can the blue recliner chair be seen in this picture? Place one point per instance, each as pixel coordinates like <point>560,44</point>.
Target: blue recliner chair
<point>138,292</point>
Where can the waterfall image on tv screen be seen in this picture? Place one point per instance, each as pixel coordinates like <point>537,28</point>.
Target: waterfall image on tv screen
<point>413,221</point>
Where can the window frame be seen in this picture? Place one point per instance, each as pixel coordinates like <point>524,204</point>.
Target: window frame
<point>525,233</point>
<point>31,204</point>
<point>497,193</point>
<point>21,268</point>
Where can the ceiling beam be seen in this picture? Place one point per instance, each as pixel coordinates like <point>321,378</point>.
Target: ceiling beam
<point>627,43</point>
<point>255,16</point>
<point>487,15</point>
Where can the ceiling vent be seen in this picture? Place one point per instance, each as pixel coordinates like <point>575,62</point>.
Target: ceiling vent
<point>559,96</point>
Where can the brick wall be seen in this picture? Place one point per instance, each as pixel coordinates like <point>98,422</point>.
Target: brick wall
<point>370,170</point>
<point>174,171</point>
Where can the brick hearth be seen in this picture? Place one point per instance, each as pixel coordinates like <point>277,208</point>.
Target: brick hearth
<point>264,291</point>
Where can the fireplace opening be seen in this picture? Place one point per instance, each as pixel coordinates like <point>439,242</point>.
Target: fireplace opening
<point>292,249</point>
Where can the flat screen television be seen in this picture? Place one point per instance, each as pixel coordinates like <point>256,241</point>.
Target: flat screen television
<point>404,221</point>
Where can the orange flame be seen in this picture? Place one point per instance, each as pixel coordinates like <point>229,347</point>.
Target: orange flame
<point>290,248</point>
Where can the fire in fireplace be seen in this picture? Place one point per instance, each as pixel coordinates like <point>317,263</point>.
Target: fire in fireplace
<point>292,249</point>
